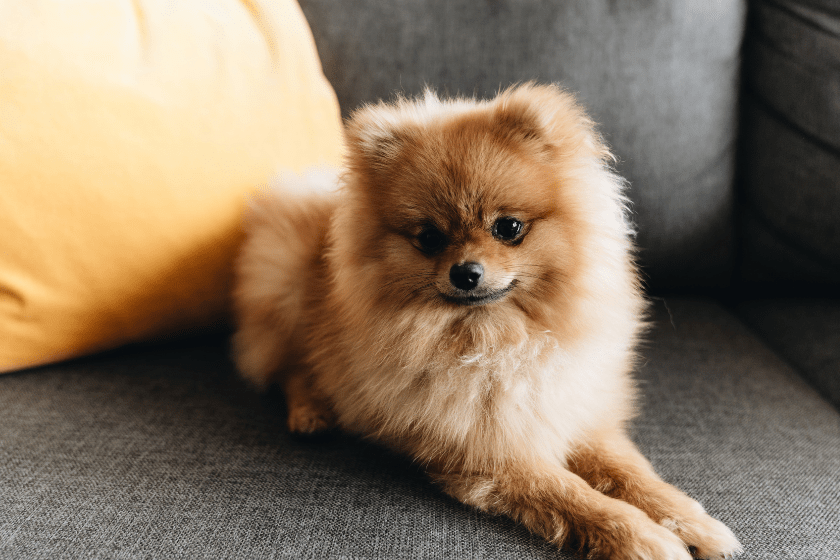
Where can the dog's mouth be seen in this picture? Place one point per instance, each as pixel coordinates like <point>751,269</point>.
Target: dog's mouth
<point>479,297</point>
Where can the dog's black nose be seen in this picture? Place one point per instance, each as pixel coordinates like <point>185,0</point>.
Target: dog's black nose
<point>466,276</point>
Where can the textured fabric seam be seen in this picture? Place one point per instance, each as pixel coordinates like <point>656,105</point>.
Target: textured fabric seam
<point>752,207</point>
<point>777,115</point>
<point>762,37</point>
<point>796,14</point>
<point>785,239</point>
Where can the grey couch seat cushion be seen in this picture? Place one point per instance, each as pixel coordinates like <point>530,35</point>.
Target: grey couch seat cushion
<point>805,332</point>
<point>159,452</point>
<point>660,76</point>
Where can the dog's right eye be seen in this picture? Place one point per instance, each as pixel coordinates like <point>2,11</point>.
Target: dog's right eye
<point>431,240</point>
<point>507,229</point>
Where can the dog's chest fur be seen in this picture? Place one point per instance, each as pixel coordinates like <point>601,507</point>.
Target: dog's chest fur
<point>531,397</point>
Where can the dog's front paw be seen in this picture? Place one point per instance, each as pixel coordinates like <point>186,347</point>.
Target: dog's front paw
<point>652,542</point>
<point>307,420</point>
<point>705,536</point>
<point>634,536</point>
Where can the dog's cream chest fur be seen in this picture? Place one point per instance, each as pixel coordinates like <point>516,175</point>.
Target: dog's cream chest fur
<point>528,396</point>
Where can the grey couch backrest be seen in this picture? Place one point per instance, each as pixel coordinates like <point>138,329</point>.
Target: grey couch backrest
<point>660,76</point>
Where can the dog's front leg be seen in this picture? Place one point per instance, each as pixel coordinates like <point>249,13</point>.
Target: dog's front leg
<point>561,507</point>
<point>611,464</point>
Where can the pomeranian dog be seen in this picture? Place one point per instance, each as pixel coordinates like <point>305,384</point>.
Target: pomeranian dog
<point>464,291</point>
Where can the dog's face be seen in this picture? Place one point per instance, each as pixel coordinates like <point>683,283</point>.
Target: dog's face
<point>471,210</point>
<point>467,218</point>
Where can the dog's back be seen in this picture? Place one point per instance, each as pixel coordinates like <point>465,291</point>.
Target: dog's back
<point>285,229</point>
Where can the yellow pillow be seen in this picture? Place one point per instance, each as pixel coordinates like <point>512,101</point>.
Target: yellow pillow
<point>130,135</point>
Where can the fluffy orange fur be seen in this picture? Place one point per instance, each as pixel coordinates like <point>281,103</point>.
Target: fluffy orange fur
<point>514,392</point>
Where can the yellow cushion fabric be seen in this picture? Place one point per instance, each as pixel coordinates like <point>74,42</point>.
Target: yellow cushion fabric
<point>131,133</point>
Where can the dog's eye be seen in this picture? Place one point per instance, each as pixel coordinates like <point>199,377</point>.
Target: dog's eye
<point>431,240</point>
<point>507,228</point>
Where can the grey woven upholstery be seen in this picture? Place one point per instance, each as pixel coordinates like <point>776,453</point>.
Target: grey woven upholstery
<point>158,452</point>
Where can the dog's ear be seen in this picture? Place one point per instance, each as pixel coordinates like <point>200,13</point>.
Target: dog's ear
<point>376,137</point>
<point>549,117</point>
<point>519,120</point>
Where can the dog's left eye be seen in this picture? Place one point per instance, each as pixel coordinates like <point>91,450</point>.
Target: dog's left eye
<point>507,229</point>
<point>431,240</point>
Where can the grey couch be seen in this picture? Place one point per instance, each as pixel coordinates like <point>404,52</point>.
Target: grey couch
<point>726,120</point>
